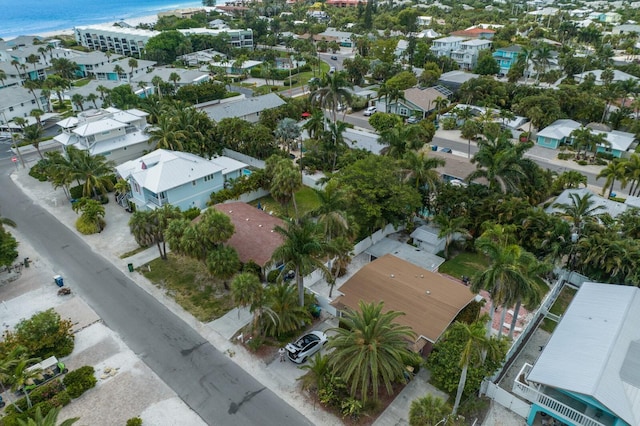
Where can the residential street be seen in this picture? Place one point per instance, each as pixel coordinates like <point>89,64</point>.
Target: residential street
<point>207,380</point>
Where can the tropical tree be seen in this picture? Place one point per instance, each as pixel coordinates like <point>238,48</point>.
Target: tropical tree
<point>32,135</point>
<point>421,169</point>
<point>285,309</point>
<point>450,228</point>
<point>371,350</point>
<point>165,135</point>
<point>469,130</point>
<point>477,346</point>
<point>31,86</point>
<point>581,210</point>
<point>92,218</point>
<point>248,291</point>
<point>118,70</point>
<point>302,251</point>
<point>632,166</point>
<point>287,132</point>
<point>133,64</point>
<point>22,376</point>
<point>440,103</point>
<point>64,68</point>
<point>400,139</point>
<point>3,77</point>
<point>316,124</point>
<point>332,92</point>
<point>78,100</point>
<point>428,410</point>
<point>51,419</point>
<point>95,171</point>
<point>285,181</point>
<point>223,262</point>
<point>174,77</point>
<point>317,371</point>
<point>92,97</point>
<point>614,171</point>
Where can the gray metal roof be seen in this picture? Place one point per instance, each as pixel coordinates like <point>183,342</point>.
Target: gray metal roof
<point>614,208</point>
<point>594,351</point>
<point>363,140</point>
<point>411,254</point>
<point>243,107</point>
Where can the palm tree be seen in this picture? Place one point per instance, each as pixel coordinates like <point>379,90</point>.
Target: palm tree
<point>632,166</point>
<point>32,135</point>
<point>287,131</point>
<point>78,100</point>
<point>400,139</point>
<point>318,369</point>
<point>420,168</point>
<point>428,410</point>
<point>501,163</point>
<point>3,77</point>
<point>31,86</point>
<point>16,64</point>
<point>164,135</point>
<point>370,350</point>
<point>247,290</point>
<point>133,64</point>
<point>118,70</point>
<point>302,251</point>
<point>156,81</point>
<point>475,347</point>
<point>94,171</point>
<point>175,78</point>
<point>439,103</point>
<point>615,170</point>
<point>64,68</point>
<point>541,59</point>
<point>449,228</point>
<point>391,95</point>
<point>92,97</point>
<point>288,314</point>
<point>51,419</point>
<point>42,51</point>
<point>332,92</point>
<point>316,124</point>
<point>102,89</point>
<point>580,211</point>
<point>223,262</point>
<point>23,376</point>
<point>331,212</point>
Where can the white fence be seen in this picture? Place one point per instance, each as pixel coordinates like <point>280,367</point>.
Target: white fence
<point>374,238</point>
<point>507,400</point>
<point>253,162</point>
<point>250,196</point>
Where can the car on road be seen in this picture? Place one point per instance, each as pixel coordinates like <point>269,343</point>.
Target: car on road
<point>447,150</point>
<point>334,57</point>
<point>370,111</point>
<point>307,345</point>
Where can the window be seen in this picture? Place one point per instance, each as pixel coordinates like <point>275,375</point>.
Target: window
<point>193,182</point>
<point>10,108</point>
<point>136,187</point>
<point>208,178</point>
<point>33,101</point>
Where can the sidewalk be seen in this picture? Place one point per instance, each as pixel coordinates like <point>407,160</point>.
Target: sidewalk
<point>116,240</point>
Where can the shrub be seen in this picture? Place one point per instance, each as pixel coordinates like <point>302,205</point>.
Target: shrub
<point>43,335</point>
<point>86,227</point>
<point>38,171</point>
<point>80,380</point>
<point>252,267</point>
<point>255,343</point>
<point>76,192</point>
<point>582,162</point>
<point>191,213</point>
<point>272,276</point>
<point>448,123</point>
<point>46,391</point>
<point>134,421</point>
<point>61,399</point>
<point>565,155</point>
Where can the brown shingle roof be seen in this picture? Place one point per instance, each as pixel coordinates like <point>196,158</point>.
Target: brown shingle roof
<point>254,238</point>
<point>430,301</point>
<point>423,98</point>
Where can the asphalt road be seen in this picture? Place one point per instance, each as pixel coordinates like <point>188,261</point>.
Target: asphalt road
<point>208,381</point>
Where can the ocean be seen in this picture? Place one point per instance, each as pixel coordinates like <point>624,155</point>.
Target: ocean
<point>32,17</point>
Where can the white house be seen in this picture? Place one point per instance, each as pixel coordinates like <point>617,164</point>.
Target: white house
<point>118,135</point>
<point>467,54</point>
<point>444,46</point>
<point>16,101</point>
<point>248,109</point>
<point>176,178</point>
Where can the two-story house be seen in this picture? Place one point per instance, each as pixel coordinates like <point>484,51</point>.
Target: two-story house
<point>121,71</point>
<point>466,56</point>
<point>176,178</point>
<point>588,373</point>
<point>507,57</point>
<point>118,135</point>
<point>16,101</point>
<point>444,46</point>
<point>89,62</point>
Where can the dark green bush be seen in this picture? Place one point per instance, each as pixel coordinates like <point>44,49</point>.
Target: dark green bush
<point>38,171</point>
<point>46,391</point>
<point>191,213</point>
<point>134,421</point>
<point>252,267</point>
<point>272,276</point>
<point>12,419</point>
<point>61,399</point>
<point>79,381</point>
<point>76,192</point>
<point>43,335</point>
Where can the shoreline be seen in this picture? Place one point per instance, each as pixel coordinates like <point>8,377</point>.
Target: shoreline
<point>133,21</point>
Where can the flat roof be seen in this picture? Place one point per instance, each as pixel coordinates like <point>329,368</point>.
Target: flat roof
<point>429,301</point>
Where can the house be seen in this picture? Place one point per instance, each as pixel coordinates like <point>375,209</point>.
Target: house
<point>177,178</point>
<point>452,80</point>
<point>611,17</point>
<point>407,252</point>
<point>428,33</point>
<point>118,135</point>
<point>87,63</point>
<point>612,208</point>
<point>343,38</point>
<point>429,301</point>
<point>345,3</point>
<point>201,57</point>
<point>475,33</point>
<point>253,238</point>
<point>16,101</point>
<point>186,13</point>
<point>231,67</point>
<point>185,78</point>
<point>618,76</point>
<point>237,37</point>
<point>424,21</point>
<point>12,77</point>
<point>426,237</point>
<point>492,114</point>
<point>588,373</point>
<point>107,71</point>
<point>444,46</point>
<point>559,132</point>
<point>507,57</point>
<point>466,56</point>
<point>417,102</point>
<point>248,109</point>
<point>626,29</point>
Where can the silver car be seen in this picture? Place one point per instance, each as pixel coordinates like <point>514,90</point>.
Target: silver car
<point>307,345</point>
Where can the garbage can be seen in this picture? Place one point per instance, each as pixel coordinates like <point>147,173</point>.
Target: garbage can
<point>26,262</point>
<point>130,266</point>
<point>58,280</point>
<point>434,147</point>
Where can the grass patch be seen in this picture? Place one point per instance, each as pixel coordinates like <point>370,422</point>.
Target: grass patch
<point>81,82</point>
<point>132,252</point>
<point>468,264</point>
<point>190,284</point>
<point>559,307</point>
<point>306,199</point>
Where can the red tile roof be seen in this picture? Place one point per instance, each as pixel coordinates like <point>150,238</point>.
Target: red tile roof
<point>473,32</point>
<point>254,238</point>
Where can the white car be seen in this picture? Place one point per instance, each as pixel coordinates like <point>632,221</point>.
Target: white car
<point>307,345</point>
<point>370,111</point>
<point>332,70</point>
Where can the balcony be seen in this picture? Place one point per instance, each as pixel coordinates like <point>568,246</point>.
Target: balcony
<point>549,399</point>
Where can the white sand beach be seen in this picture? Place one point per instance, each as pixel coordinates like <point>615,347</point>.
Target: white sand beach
<point>149,19</point>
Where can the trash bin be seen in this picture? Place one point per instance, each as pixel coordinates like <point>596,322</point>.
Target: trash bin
<point>58,280</point>
<point>130,266</point>
<point>434,147</point>
<point>26,262</point>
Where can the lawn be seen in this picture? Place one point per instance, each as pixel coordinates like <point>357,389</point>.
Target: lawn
<point>559,307</point>
<point>190,284</point>
<point>81,82</point>
<point>467,264</point>
<point>306,199</point>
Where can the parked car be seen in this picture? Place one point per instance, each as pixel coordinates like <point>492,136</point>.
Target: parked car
<point>413,120</point>
<point>307,345</point>
<point>447,150</point>
<point>332,70</point>
<point>370,111</point>
<point>314,80</point>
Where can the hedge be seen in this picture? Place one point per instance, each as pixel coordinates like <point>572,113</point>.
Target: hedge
<point>278,74</point>
<point>80,380</point>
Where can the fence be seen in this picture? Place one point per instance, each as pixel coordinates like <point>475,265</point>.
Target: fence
<point>363,245</point>
<point>506,399</point>
<point>253,162</point>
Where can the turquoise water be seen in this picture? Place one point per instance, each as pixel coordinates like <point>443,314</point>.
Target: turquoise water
<point>28,17</point>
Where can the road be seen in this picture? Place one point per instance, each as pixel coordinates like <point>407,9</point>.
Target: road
<point>207,380</point>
